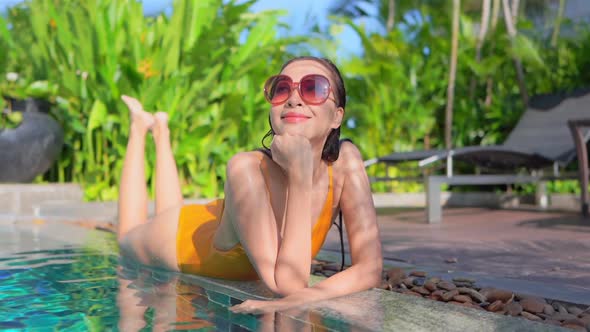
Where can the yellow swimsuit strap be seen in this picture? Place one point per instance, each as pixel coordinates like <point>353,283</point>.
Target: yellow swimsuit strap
<point>324,221</point>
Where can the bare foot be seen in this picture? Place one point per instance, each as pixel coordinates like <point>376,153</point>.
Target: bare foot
<point>140,119</point>
<point>161,124</point>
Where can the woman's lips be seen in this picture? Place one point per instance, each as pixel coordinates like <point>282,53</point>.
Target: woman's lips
<point>294,117</point>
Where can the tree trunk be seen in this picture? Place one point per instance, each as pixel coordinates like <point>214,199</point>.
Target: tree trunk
<point>517,64</point>
<point>452,74</point>
<point>391,16</point>
<point>495,14</point>
<point>557,23</point>
<point>483,29</point>
<point>485,20</point>
<point>514,11</point>
<point>490,81</point>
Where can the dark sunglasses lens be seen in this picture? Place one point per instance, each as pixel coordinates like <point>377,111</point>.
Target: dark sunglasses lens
<point>278,89</point>
<point>315,89</point>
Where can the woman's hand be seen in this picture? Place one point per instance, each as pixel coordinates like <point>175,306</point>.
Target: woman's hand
<point>293,154</point>
<point>261,307</point>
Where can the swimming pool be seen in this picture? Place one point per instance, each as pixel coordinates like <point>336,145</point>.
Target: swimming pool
<point>56,276</point>
<point>89,288</point>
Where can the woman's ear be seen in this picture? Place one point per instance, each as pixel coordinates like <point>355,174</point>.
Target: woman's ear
<point>338,117</point>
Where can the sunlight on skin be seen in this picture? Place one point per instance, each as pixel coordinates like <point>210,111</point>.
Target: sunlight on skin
<point>283,263</point>
<point>355,200</point>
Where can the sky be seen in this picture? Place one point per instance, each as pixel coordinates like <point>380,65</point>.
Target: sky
<point>298,12</point>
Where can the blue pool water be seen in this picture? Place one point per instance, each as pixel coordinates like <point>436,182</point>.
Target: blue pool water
<point>82,289</point>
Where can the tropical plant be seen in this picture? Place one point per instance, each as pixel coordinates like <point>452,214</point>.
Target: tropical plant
<point>16,87</point>
<point>204,65</point>
<point>9,120</point>
<point>397,86</point>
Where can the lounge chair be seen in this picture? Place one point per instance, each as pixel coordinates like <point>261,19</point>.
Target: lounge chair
<point>541,139</point>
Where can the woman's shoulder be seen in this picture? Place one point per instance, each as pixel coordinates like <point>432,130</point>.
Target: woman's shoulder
<point>349,157</point>
<point>349,149</point>
<point>246,161</point>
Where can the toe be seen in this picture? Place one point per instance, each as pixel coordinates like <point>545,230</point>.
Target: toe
<point>133,104</point>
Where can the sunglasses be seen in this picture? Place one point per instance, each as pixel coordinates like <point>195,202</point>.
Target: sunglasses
<point>314,89</point>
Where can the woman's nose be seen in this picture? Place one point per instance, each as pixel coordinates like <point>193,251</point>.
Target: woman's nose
<point>294,99</point>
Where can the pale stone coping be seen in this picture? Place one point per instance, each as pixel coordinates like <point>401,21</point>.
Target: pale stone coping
<point>379,310</point>
<point>100,211</point>
<point>20,199</point>
<point>34,187</point>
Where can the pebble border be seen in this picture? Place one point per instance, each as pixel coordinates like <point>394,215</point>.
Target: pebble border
<point>465,292</point>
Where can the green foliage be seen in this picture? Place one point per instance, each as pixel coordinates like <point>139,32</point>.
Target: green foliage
<point>205,65</point>
<point>397,89</point>
<point>9,120</point>
<point>19,88</point>
<point>191,64</point>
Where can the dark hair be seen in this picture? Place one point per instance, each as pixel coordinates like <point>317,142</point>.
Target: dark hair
<point>332,146</point>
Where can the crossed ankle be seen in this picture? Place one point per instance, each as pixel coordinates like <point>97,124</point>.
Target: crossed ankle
<point>138,129</point>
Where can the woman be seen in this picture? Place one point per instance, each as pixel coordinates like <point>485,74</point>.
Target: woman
<point>273,201</point>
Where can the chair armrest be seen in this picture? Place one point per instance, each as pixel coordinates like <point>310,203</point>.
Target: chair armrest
<point>576,126</point>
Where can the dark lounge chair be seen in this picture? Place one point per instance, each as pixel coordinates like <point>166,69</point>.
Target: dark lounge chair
<point>542,139</point>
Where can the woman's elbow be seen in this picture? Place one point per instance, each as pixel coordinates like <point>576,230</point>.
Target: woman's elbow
<point>290,287</point>
<point>375,268</point>
<point>285,287</point>
<point>289,281</point>
<point>373,273</point>
<point>377,279</point>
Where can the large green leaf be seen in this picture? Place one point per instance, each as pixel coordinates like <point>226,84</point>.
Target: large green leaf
<point>98,115</point>
<point>526,50</point>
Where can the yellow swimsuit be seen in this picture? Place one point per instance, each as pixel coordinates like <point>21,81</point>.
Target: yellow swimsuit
<point>194,242</point>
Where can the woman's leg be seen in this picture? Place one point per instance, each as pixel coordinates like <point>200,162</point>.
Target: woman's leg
<point>168,193</point>
<point>154,243</point>
<point>133,197</point>
<point>150,243</point>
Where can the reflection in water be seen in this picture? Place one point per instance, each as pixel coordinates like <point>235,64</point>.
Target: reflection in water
<point>78,289</point>
<point>172,303</point>
<point>163,301</point>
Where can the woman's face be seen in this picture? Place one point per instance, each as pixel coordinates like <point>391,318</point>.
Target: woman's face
<point>295,116</point>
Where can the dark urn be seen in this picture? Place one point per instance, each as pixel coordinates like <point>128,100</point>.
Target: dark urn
<point>30,148</point>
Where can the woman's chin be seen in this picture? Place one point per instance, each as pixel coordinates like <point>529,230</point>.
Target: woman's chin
<point>294,129</point>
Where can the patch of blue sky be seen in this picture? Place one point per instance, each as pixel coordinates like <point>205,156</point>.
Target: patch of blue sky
<point>300,16</point>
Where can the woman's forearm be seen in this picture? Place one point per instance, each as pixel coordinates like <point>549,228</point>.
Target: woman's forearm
<point>356,278</point>
<point>294,256</point>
